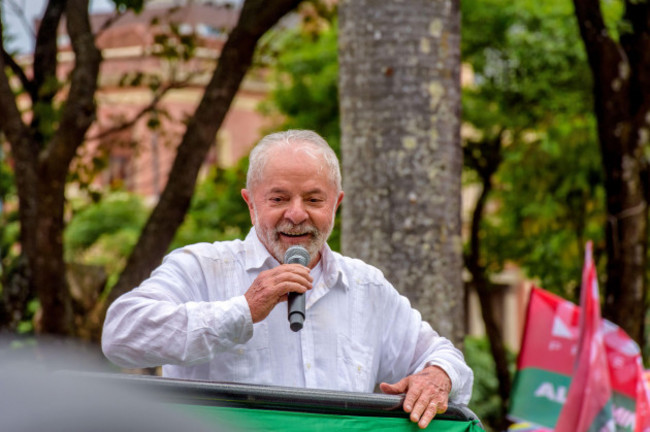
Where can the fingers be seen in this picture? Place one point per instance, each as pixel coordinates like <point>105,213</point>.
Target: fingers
<point>428,415</point>
<point>288,279</point>
<point>426,407</point>
<point>272,287</point>
<point>410,405</point>
<point>397,388</point>
<point>427,394</point>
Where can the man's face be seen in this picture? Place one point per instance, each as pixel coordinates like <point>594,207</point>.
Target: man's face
<point>293,204</point>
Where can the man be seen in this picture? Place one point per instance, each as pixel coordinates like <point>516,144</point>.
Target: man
<point>213,311</point>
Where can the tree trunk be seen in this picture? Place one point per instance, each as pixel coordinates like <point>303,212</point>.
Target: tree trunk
<point>402,160</point>
<point>42,160</point>
<point>486,165</point>
<point>622,104</point>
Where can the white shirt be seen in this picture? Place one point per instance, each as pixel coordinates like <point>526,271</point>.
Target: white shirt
<point>191,316</point>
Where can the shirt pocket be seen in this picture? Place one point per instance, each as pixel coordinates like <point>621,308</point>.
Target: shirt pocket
<point>246,363</point>
<point>354,365</point>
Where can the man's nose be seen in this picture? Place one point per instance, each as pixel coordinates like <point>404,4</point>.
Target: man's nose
<point>296,212</point>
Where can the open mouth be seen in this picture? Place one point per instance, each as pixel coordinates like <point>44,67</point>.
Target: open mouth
<point>294,235</point>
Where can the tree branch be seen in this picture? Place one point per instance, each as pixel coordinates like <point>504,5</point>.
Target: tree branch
<point>12,124</point>
<point>79,110</point>
<point>638,14</point>
<point>607,61</point>
<point>27,84</point>
<point>591,22</point>
<point>109,22</point>
<point>636,44</point>
<point>45,52</point>
<point>603,52</point>
<point>19,11</point>
<point>486,165</point>
<point>147,109</point>
<point>621,103</point>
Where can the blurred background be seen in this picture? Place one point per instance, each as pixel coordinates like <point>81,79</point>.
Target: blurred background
<point>483,143</point>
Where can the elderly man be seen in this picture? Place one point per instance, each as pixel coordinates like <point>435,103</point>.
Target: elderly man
<point>211,311</point>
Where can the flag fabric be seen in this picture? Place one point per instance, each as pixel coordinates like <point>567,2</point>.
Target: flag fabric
<point>588,406</point>
<point>549,352</point>
<point>545,361</point>
<point>642,400</point>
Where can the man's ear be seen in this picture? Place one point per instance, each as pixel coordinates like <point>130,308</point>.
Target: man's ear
<point>338,200</point>
<point>248,197</point>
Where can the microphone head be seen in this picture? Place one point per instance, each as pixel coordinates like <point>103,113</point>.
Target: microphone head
<point>297,255</point>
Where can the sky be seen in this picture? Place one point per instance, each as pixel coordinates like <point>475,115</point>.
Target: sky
<point>22,35</point>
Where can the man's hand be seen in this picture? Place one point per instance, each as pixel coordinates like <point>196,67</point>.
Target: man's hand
<point>427,394</point>
<point>273,286</point>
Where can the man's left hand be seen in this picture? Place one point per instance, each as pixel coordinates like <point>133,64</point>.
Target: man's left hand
<point>427,394</point>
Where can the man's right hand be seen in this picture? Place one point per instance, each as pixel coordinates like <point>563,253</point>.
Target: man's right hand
<point>273,286</point>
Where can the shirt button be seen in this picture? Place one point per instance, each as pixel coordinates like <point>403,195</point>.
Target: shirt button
<point>240,351</point>
<point>308,366</point>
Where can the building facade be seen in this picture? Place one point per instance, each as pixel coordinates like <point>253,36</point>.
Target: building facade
<point>155,67</point>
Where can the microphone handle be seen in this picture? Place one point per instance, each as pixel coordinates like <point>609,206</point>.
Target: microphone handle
<point>296,311</point>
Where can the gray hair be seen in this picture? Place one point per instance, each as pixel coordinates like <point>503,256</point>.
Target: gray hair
<point>304,140</point>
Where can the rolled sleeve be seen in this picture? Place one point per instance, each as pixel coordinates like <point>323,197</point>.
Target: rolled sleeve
<point>175,318</point>
<point>439,351</point>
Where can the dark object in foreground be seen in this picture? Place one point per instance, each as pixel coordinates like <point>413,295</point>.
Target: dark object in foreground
<point>199,396</point>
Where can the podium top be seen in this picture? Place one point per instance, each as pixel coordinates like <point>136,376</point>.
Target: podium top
<point>253,396</point>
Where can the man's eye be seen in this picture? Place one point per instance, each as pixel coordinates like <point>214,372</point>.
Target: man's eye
<point>276,199</point>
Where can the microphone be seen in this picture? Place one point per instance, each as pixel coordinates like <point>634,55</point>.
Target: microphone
<point>296,311</point>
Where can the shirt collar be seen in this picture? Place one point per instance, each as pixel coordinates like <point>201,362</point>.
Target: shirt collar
<point>256,254</point>
<point>258,257</point>
<point>333,275</point>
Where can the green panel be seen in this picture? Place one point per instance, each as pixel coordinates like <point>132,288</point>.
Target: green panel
<point>538,395</point>
<point>256,420</point>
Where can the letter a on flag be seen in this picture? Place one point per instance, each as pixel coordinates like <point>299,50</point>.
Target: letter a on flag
<point>588,407</point>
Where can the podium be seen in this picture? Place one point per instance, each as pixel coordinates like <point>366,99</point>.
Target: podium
<point>255,408</point>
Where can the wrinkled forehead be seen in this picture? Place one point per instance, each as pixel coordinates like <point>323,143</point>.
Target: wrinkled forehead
<point>297,156</point>
<point>286,148</point>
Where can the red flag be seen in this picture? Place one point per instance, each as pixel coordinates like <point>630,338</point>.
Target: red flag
<point>588,407</point>
<point>642,401</point>
<point>548,353</point>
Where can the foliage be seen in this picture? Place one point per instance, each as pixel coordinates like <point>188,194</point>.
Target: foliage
<point>305,75</point>
<point>6,179</point>
<point>9,236</point>
<point>485,396</point>
<point>532,85</point>
<point>218,211</point>
<point>105,232</point>
<point>9,226</point>
<point>554,206</point>
<point>118,211</point>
